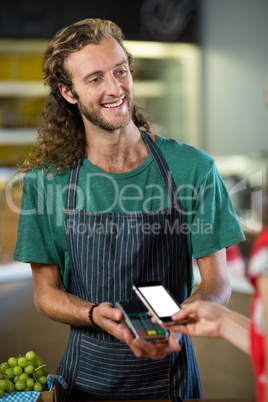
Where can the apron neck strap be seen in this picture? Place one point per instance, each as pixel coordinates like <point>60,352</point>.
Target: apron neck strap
<point>163,169</point>
<point>70,198</point>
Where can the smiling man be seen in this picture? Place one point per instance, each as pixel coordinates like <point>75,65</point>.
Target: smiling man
<point>107,203</point>
<point>104,84</point>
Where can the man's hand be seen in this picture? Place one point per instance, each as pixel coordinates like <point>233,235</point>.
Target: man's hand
<point>108,318</point>
<point>155,351</point>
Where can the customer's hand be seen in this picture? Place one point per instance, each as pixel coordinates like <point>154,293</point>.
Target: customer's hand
<point>205,319</point>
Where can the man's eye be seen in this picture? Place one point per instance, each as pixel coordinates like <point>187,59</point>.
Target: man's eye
<point>122,72</point>
<point>94,80</point>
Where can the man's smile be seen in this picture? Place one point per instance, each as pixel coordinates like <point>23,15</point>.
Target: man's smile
<point>115,104</point>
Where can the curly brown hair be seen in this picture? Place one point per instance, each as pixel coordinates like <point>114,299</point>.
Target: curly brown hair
<point>61,136</point>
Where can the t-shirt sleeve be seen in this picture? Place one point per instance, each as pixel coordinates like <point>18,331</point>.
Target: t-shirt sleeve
<point>214,223</point>
<point>33,234</point>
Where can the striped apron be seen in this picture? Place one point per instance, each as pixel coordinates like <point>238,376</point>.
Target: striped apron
<point>95,364</point>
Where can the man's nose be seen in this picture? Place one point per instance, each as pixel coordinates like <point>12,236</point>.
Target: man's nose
<point>112,85</point>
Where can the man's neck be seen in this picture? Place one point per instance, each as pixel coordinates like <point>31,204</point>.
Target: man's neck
<point>118,151</point>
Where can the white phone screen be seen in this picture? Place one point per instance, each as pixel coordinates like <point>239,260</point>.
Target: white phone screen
<point>160,300</point>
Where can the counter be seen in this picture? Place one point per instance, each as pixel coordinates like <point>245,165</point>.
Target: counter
<point>197,400</point>
<point>221,400</point>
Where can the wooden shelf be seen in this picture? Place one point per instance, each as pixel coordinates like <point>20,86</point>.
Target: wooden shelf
<point>18,136</point>
<point>22,89</point>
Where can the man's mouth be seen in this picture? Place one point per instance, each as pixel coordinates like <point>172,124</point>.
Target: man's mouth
<point>115,104</point>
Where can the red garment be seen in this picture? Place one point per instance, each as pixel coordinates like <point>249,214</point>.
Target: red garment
<point>258,265</point>
<point>235,263</point>
<point>233,253</point>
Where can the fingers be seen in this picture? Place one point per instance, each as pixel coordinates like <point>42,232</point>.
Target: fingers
<point>106,310</point>
<point>173,341</point>
<point>186,310</point>
<point>108,318</point>
<point>154,351</point>
<point>186,329</point>
<point>205,319</point>
<point>186,320</point>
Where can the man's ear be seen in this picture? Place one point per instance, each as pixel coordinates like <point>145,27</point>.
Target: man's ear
<point>67,94</point>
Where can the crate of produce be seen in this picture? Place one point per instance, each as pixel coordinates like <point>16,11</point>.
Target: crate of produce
<point>25,379</point>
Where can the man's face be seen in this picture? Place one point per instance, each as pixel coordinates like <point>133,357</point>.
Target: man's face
<point>102,84</point>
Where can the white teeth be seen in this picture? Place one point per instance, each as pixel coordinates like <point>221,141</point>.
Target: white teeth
<point>114,104</point>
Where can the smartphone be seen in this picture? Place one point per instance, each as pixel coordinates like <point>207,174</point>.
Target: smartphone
<point>157,298</point>
<point>138,320</point>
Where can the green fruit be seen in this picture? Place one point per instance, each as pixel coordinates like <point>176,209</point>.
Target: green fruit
<point>12,361</point>
<point>30,355</point>
<point>3,384</point>
<point>15,379</point>
<point>38,361</point>
<point>22,361</point>
<point>24,373</point>
<point>28,389</point>
<point>29,369</point>
<point>42,379</point>
<point>8,372</point>
<point>17,370</point>
<point>10,386</point>
<point>39,372</point>
<point>23,377</point>
<point>37,387</point>
<point>30,382</point>
<point>20,385</point>
<point>3,366</point>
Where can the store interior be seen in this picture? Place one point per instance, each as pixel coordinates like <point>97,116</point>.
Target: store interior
<point>205,88</point>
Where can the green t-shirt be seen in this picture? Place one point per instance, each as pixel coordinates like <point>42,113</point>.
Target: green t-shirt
<point>209,220</point>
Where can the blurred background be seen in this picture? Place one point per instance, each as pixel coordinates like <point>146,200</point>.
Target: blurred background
<point>200,72</point>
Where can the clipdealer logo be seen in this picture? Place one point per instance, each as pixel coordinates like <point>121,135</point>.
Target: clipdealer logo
<point>248,194</point>
<point>108,227</point>
<point>49,196</point>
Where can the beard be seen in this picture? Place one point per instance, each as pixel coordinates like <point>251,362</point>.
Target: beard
<point>95,117</point>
